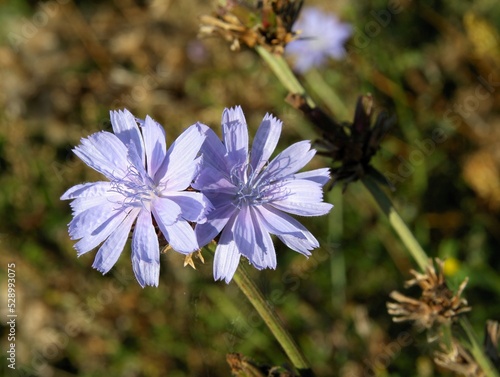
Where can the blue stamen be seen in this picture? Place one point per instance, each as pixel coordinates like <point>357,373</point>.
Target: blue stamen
<point>252,189</point>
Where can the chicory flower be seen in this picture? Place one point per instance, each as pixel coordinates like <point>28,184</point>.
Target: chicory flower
<point>252,194</point>
<point>322,37</point>
<point>145,182</point>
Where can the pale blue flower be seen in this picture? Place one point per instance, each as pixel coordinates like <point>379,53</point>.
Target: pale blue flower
<point>145,181</point>
<point>251,194</point>
<point>322,37</point>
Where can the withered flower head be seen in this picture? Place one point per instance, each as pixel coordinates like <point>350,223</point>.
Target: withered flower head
<point>242,366</point>
<point>437,304</point>
<point>457,359</point>
<point>351,146</point>
<point>492,335</point>
<point>267,23</point>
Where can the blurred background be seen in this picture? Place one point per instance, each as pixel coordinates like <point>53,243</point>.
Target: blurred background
<point>65,64</point>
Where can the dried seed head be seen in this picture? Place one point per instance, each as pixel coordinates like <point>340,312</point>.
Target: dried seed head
<point>457,359</point>
<point>242,366</point>
<point>437,304</point>
<point>492,335</point>
<point>268,24</point>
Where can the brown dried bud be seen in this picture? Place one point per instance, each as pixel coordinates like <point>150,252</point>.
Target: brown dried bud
<point>437,305</point>
<point>242,366</point>
<point>268,24</point>
<point>457,359</point>
<point>351,146</point>
<point>492,334</point>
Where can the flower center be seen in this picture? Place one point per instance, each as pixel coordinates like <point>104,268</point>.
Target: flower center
<point>252,190</point>
<point>249,191</point>
<point>138,189</point>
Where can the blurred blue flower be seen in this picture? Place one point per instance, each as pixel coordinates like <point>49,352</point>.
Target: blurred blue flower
<point>145,180</point>
<point>251,195</point>
<point>322,36</point>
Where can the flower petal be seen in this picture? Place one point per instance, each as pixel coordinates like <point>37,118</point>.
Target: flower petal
<point>244,232</point>
<point>216,220</point>
<point>290,231</point>
<point>126,129</point>
<point>180,164</point>
<point>276,222</point>
<point>265,141</point>
<point>99,234</point>
<point>184,175</point>
<point>235,134</point>
<point>165,211</point>
<point>252,241</point>
<point>213,151</point>
<point>266,257</point>
<point>321,176</point>
<point>227,256</point>
<point>145,251</point>
<point>180,236</point>
<point>155,143</point>
<point>105,153</point>
<point>304,198</point>
<point>292,159</point>
<point>299,244</point>
<point>226,262</point>
<point>87,190</point>
<point>138,163</point>
<point>303,208</point>
<point>81,204</point>
<point>212,179</point>
<point>110,250</point>
<point>87,221</point>
<point>194,205</point>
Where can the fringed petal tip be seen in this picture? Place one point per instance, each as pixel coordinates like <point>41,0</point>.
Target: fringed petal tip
<point>146,273</point>
<point>233,114</point>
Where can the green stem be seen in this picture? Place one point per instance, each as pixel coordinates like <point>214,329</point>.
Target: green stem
<point>328,95</point>
<point>447,336</point>
<point>337,259</point>
<point>397,222</point>
<point>283,72</point>
<point>272,320</point>
<point>477,350</point>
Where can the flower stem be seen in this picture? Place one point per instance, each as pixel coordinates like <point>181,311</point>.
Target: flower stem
<point>327,94</point>
<point>397,222</point>
<point>283,72</point>
<point>272,320</point>
<point>477,351</point>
